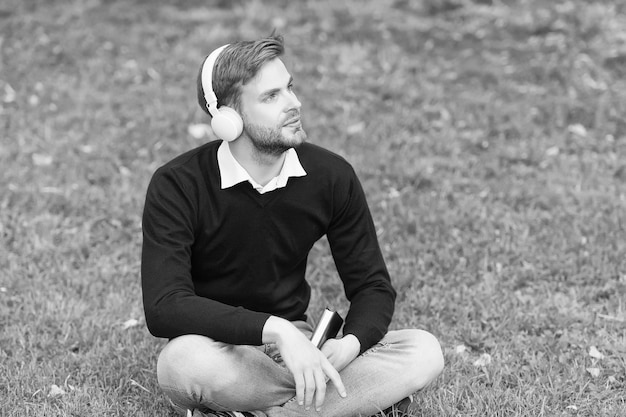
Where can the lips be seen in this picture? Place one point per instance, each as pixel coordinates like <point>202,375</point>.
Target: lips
<point>293,121</point>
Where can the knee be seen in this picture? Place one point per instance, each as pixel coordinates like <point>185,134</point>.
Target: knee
<point>184,353</point>
<point>191,361</point>
<point>427,356</point>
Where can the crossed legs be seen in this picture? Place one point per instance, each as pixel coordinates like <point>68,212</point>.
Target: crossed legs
<point>198,372</point>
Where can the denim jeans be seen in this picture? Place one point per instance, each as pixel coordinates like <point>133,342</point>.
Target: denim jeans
<point>196,372</point>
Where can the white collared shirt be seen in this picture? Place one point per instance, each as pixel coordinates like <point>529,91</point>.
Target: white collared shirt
<point>233,173</point>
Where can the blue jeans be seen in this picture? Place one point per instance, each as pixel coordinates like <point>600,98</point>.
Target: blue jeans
<point>196,372</point>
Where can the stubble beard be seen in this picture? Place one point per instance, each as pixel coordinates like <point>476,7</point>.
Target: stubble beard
<point>271,141</point>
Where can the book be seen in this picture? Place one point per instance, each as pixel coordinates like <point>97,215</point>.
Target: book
<point>327,327</point>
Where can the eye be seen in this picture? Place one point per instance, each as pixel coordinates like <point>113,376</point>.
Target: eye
<point>270,97</point>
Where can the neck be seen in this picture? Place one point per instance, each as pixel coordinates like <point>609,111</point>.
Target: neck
<point>261,167</point>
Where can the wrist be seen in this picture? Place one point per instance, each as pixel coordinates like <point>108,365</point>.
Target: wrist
<point>353,344</point>
<point>274,329</point>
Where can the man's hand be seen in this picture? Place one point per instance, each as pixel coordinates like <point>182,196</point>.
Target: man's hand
<point>340,352</point>
<point>308,365</point>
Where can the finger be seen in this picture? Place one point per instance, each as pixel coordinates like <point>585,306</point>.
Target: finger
<point>309,389</point>
<point>333,375</point>
<point>320,389</point>
<point>329,355</point>
<point>300,384</point>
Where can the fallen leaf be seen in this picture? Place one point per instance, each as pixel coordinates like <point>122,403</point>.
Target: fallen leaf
<point>552,151</point>
<point>594,372</point>
<point>51,190</point>
<point>130,323</point>
<point>355,128</point>
<point>577,129</point>
<point>483,360</point>
<point>42,160</point>
<point>199,130</point>
<point>460,349</point>
<point>595,353</point>
<point>55,391</point>
<point>125,171</point>
<point>154,74</point>
<point>9,95</point>
<point>393,193</point>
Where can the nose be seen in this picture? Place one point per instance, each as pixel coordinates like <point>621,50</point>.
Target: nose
<point>294,103</point>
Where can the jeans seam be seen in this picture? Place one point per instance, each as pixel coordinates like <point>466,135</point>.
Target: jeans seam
<point>199,403</point>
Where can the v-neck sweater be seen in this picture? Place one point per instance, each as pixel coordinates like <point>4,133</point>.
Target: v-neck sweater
<point>219,262</point>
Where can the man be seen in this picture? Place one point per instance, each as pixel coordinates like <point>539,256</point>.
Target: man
<point>227,231</point>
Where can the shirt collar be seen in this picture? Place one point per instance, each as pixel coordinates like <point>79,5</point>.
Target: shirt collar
<point>232,173</point>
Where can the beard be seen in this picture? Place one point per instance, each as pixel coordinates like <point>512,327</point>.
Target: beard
<point>271,141</point>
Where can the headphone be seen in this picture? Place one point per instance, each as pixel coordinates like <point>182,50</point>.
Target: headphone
<point>226,122</point>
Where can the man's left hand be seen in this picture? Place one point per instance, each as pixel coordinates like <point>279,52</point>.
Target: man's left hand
<point>340,352</point>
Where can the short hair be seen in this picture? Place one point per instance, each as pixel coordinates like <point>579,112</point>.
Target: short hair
<point>236,65</point>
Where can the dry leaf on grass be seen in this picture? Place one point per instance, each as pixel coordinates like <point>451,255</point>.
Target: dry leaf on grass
<point>9,94</point>
<point>130,323</point>
<point>553,151</point>
<point>42,160</point>
<point>483,360</point>
<point>199,130</point>
<point>595,353</point>
<point>577,129</point>
<point>55,391</point>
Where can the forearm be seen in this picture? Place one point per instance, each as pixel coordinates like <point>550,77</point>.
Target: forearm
<point>178,314</point>
<point>367,324</point>
<point>362,269</point>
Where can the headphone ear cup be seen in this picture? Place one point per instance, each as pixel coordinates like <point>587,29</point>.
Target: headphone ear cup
<point>227,124</point>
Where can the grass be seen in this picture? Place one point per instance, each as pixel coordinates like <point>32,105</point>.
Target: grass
<point>489,135</point>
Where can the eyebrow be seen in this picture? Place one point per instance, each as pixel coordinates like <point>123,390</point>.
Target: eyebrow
<point>274,90</point>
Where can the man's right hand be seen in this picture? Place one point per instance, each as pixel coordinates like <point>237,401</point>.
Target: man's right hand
<point>308,365</point>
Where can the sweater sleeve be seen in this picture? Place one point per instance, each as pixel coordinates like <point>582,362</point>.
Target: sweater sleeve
<point>361,267</point>
<point>171,305</point>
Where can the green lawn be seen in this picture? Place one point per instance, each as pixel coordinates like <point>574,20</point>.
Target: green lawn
<point>490,137</point>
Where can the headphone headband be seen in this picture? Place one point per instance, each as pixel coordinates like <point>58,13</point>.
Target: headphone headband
<point>207,80</point>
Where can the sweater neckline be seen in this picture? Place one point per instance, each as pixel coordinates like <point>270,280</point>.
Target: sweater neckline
<point>263,200</point>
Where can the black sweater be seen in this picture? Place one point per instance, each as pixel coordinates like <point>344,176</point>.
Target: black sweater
<point>220,262</point>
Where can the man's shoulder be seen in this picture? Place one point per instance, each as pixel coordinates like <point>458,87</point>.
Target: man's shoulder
<point>316,157</point>
<point>193,157</point>
<point>191,161</point>
<point>189,170</point>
